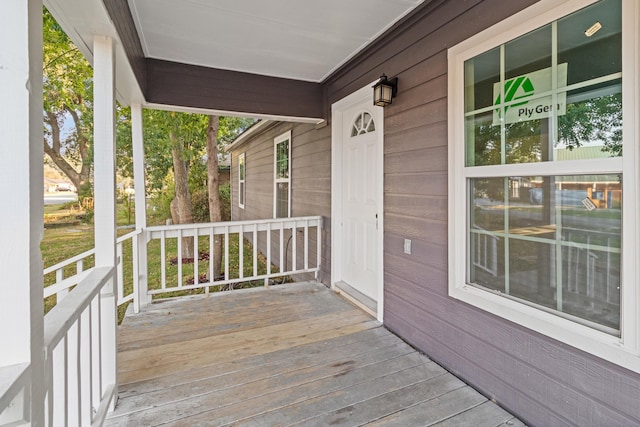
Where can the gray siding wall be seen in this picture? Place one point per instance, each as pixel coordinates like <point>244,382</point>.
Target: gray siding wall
<point>544,382</point>
<point>310,183</point>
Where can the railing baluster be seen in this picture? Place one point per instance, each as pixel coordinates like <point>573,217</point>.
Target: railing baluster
<point>226,253</point>
<point>135,273</point>
<point>196,255</point>
<point>50,388</point>
<point>99,354</point>
<point>255,249</point>
<point>78,373</point>
<point>59,386</point>
<point>163,262</point>
<point>74,374</point>
<point>180,258</point>
<point>120,270</point>
<point>306,245</point>
<point>319,247</point>
<point>241,253</point>
<point>211,258</point>
<point>282,246</point>
<point>95,353</point>
<point>59,278</point>
<point>68,373</point>
<point>266,280</point>
<point>294,250</point>
<point>84,345</point>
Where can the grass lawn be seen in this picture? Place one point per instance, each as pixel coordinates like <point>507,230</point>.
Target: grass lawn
<point>63,240</point>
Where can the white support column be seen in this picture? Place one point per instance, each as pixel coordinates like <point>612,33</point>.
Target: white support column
<point>105,194</point>
<point>141,297</point>
<point>21,186</point>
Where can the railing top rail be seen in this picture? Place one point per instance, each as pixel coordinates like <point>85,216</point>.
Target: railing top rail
<point>64,314</point>
<point>129,235</point>
<point>66,283</point>
<point>86,254</point>
<point>69,261</point>
<point>233,223</point>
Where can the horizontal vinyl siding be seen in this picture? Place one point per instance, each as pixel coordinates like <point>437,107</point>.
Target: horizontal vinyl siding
<point>310,185</point>
<point>544,382</point>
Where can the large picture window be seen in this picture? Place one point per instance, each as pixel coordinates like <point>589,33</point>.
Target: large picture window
<point>543,157</point>
<point>282,172</point>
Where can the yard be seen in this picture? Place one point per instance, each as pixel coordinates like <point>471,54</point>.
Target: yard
<point>67,237</point>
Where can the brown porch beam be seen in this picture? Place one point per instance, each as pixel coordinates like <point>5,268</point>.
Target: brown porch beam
<point>184,85</point>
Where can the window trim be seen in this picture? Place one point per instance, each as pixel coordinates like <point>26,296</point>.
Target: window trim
<point>624,351</point>
<point>278,140</point>
<point>242,182</point>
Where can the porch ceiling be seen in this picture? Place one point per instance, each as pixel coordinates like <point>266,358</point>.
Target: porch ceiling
<point>295,39</point>
<point>197,53</point>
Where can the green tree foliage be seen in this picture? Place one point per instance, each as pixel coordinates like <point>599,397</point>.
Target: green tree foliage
<point>68,98</point>
<point>190,129</point>
<point>594,119</point>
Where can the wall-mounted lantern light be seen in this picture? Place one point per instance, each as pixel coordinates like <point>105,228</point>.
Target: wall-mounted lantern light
<point>384,91</point>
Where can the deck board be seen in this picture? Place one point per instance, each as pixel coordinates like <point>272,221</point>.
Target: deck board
<point>297,354</point>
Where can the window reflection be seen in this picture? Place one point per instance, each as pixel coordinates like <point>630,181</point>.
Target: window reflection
<point>553,242</point>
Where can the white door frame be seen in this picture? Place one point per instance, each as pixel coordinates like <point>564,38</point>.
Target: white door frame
<point>362,96</point>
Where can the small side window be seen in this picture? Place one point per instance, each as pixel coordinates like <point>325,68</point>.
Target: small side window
<point>242,189</point>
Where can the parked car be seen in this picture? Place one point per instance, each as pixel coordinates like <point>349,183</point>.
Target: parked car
<point>65,187</point>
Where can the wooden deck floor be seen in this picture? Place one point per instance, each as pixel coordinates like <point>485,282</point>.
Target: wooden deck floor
<point>298,354</point>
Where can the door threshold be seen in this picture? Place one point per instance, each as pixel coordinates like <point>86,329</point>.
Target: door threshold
<point>368,304</point>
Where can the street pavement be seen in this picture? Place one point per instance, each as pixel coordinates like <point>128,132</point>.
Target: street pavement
<point>60,197</point>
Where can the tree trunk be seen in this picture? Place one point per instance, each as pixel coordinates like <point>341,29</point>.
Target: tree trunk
<point>213,190</point>
<point>54,151</point>
<point>182,211</point>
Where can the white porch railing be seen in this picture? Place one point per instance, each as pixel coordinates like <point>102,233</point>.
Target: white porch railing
<point>271,237</point>
<point>83,262</point>
<point>485,253</point>
<point>80,351</point>
<point>79,331</point>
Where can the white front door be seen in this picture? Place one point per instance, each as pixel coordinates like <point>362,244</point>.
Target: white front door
<point>359,202</point>
<point>357,194</point>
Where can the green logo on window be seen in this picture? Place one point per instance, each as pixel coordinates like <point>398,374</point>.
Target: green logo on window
<point>530,96</point>
<point>514,89</point>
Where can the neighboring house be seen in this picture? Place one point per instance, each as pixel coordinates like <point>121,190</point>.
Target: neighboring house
<point>533,300</point>
<point>224,171</point>
<point>274,185</point>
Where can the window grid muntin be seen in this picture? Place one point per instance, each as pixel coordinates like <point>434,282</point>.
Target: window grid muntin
<point>363,123</point>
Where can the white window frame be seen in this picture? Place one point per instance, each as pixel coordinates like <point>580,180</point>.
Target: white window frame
<point>624,350</point>
<point>242,182</point>
<point>278,140</point>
